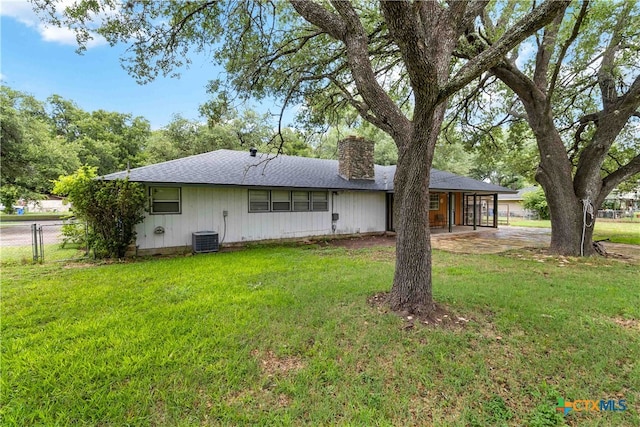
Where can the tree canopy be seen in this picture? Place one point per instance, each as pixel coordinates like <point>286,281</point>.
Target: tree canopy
<point>43,140</point>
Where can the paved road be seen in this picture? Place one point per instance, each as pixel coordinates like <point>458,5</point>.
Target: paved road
<point>19,233</point>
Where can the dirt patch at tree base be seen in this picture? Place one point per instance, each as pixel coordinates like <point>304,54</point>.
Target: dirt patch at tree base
<point>440,317</point>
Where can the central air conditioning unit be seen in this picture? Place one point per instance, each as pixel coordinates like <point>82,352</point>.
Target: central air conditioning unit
<point>204,241</point>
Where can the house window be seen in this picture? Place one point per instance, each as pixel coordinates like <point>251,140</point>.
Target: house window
<point>280,201</point>
<point>300,201</point>
<point>434,202</point>
<point>259,200</point>
<point>319,201</point>
<point>165,200</point>
<point>288,201</point>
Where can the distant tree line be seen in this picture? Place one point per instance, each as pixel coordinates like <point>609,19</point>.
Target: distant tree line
<point>43,140</point>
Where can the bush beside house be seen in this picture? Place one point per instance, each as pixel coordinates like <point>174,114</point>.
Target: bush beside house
<point>111,209</point>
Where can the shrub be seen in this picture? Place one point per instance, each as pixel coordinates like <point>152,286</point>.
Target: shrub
<point>537,202</point>
<point>111,209</point>
<point>115,209</point>
<point>73,232</point>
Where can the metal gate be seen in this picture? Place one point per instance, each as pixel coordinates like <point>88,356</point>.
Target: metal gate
<point>48,240</point>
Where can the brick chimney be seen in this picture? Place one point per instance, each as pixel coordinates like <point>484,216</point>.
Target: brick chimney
<point>355,158</point>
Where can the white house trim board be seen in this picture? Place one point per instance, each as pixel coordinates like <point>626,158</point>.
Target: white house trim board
<point>203,206</point>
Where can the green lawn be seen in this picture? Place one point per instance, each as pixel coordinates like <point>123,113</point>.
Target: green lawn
<point>616,231</point>
<point>284,336</point>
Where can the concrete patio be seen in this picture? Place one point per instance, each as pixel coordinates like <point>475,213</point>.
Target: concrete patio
<point>496,240</point>
<point>489,240</point>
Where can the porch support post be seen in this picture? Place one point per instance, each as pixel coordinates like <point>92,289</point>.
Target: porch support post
<point>450,211</point>
<point>389,199</point>
<point>495,210</point>
<point>475,211</point>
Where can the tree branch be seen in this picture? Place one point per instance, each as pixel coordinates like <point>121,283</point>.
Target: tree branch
<point>411,36</point>
<point>463,13</point>
<point>539,17</point>
<point>518,82</point>
<point>612,180</point>
<point>544,53</point>
<point>176,29</point>
<point>347,26</point>
<point>606,78</point>
<point>322,18</point>
<point>630,101</point>
<point>566,45</point>
<point>476,8</point>
<point>610,122</point>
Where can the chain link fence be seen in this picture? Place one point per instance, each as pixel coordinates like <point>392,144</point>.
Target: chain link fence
<point>26,242</point>
<point>618,213</point>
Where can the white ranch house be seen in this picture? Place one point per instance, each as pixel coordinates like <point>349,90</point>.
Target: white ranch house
<point>248,196</point>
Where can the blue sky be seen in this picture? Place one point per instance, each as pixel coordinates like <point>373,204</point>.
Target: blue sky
<point>42,61</point>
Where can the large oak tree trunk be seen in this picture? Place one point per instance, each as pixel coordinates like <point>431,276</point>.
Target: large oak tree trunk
<point>411,290</point>
<point>572,223</point>
<point>565,207</point>
<point>567,225</point>
<point>569,234</point>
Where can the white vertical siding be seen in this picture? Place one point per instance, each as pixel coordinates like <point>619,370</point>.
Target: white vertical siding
<point>202,207</point>
<point>359,211</point>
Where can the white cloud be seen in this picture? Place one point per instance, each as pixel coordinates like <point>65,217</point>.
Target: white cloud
<point>66,36</point>
<point>59,35</point>
<point>22,11</point>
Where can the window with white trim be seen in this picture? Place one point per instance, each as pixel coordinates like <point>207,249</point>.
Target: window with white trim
<point>434,202</point>
<point>300,201</point>
<point>319,201</point>
<point>259,201</point>
<point>280,201</point>
<point>165,200</point>
<point>288,201</point>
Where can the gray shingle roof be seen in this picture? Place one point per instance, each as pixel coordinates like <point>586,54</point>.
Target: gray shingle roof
<point>519,195</point>
<point>238,168</point>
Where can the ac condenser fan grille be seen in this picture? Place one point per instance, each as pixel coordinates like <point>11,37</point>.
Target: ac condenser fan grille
<point>204,241</point>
